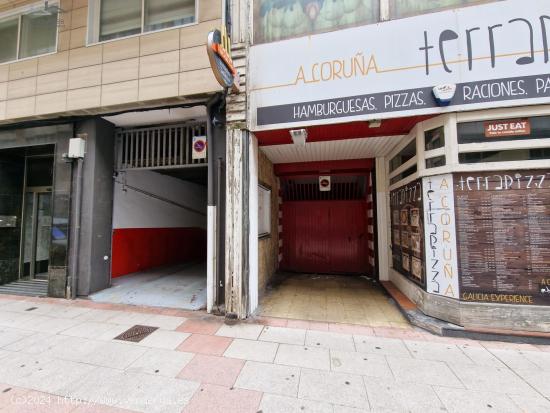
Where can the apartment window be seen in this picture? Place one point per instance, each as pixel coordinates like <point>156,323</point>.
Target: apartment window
<point>405,8</point>
<point>27,35</point>
<point>122,18</point>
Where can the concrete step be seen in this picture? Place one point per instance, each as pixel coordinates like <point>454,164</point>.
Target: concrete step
<point>33,288</point>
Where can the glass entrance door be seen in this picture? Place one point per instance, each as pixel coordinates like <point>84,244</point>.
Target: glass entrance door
<point>37,221</point>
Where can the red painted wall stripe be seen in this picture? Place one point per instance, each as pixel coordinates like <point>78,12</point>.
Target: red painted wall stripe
<point>137,249</point>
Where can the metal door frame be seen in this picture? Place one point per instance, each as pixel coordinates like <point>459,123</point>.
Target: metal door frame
<point>35,190</point>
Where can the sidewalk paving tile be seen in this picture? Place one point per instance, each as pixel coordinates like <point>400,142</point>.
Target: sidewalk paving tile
<point>531,404</point>
<point>68,348</point>
<point>165,339</point>
<point>337,388</point>
<point>383,346</point>
<point>46,324</point>
<point>481,356</point>
<point>101,385</point>
<point>493,379</point>
<point>165,322</point>
<point>540,358</point>
<point>252,350</point>
<point>280,404</point>
<point>346,409</point>
<point>65,311</point>
<point>14,369</point>
<point>97,315</point>
<point>211,398</point>
<point>465,401</point>
<point>269,378</point>
<point>538,379</point>
<point>200,327</point>
<point>129,318</point>
<point>283,335</point>
<point>205,344</point>
<point>212,369</point>
<point>10,394</point>
<point>423,371</point>
<point>10,335</point>
<point>115,355</point>
<point>515,359</point>
<point>160,362</point>
<point>351,329</point>
<point>98,408</point>
<point>241,330</point>
<point>330,340</point>
<point>155,394</point>
<point>449,353</point>
<point>389,395</point>
<point>54,375</point>
<point>303,356</point>
<point>95,330</point>
<point>372,365</point>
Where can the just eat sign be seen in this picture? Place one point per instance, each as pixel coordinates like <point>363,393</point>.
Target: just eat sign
<point>510,127</point>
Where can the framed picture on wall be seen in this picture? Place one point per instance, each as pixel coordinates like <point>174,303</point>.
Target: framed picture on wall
<point>415,217</point>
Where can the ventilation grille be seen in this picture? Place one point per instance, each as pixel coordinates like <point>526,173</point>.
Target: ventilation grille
<point>158,147</point>
<point>136,333</point>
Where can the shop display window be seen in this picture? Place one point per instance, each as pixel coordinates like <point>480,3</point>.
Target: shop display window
<point>505,155</point>
<point>434,138</point>
<point>406,154</point>
<point>435,162</point>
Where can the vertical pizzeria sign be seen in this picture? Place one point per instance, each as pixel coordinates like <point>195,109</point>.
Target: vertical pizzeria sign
<point>440,236</point>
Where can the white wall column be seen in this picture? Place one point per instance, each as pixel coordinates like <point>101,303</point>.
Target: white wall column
<point>237,224</point>
<point>383,219</point>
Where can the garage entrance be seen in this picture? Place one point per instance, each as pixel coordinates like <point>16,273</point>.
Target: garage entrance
<point>328,234</point>
<point>159,239</point>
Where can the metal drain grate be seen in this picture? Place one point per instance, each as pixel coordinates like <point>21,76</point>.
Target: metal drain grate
<point>136,333</point>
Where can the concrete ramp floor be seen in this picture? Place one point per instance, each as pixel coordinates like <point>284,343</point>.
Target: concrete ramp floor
<point>181,286</point>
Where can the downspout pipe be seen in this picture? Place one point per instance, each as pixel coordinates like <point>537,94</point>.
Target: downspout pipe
<point>210,125</point>
<point>75,258</point>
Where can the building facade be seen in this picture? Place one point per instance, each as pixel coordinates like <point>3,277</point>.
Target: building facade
<point>405,141</point>
<point>132,81</point>
<point>435,113</point>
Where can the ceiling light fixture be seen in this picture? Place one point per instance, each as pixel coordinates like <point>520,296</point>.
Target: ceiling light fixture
<point>299,136</point>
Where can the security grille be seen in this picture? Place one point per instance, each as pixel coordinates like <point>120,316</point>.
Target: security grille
<point>342,189</point>
<point>160,147</point>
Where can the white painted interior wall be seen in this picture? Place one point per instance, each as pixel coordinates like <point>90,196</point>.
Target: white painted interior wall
<point>132,209</point>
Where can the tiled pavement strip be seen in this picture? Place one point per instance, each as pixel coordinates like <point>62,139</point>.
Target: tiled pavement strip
<point>61,357</point>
